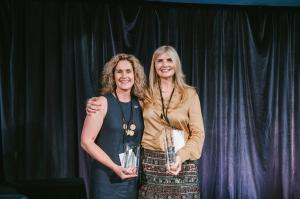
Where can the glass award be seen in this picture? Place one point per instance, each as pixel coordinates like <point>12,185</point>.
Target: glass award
<point>131,157</point>
<point>169,146</point>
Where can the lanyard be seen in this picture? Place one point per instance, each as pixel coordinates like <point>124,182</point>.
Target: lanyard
<point>165,110</point>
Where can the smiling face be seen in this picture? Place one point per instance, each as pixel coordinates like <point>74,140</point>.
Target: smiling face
<point>165,66</point>
<point>124,75</point>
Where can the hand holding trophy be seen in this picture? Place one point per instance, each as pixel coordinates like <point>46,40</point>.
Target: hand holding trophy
<point>130,159</point>
<point>173,141</point>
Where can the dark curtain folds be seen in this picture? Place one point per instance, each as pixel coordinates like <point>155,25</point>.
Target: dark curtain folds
<point>243,60</point>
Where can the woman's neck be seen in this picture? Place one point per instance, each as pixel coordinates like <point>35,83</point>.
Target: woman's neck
<point>123,96</point>
<point>166,85</point>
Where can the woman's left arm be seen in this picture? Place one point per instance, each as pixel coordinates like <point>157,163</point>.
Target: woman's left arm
<point>193,147</point>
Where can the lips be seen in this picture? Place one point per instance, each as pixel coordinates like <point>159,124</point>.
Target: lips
<point>125,81</point>
<point>165,70</point>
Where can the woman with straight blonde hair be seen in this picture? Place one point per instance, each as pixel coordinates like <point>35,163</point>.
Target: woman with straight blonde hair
<point>170,104</point>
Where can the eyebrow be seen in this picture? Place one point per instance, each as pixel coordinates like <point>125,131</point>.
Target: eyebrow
<point>126,69</point>
<point>169,59</point>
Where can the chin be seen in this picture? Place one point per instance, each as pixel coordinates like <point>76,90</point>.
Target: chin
<point>165,76</point>
<point>125,88</point>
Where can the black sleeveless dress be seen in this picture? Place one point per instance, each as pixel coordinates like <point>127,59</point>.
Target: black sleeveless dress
<point>105,184</point>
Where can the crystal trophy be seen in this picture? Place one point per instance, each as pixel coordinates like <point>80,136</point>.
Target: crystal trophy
<point>169,146</point>
<point>131,157</point>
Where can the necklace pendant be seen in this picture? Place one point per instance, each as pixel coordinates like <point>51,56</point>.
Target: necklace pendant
<point>132,127</point>
<point>125,126</point>
<point>129,132</point>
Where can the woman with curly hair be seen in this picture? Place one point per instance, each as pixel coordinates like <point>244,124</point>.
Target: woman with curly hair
<point>118,125</point>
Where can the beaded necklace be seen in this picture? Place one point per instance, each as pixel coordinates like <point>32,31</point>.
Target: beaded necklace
<point>128,126</point>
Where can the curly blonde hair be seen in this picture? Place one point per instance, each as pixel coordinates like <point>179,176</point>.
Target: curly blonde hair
<point>108,81</point>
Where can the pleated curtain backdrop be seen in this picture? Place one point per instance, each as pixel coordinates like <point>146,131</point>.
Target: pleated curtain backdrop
<point>244,61</point>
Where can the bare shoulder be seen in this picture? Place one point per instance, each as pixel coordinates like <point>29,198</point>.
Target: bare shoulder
<point>102,101</point>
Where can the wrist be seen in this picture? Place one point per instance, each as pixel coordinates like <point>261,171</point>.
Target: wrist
<point>178,159</point>
<point>115,168</point>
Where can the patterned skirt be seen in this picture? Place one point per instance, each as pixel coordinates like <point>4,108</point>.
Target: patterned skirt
<point>157,184</point>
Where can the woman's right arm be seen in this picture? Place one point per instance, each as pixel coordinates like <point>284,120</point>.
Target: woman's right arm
<point>91,127</point>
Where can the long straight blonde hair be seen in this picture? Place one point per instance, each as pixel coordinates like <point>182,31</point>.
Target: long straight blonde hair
<point>179,77</point>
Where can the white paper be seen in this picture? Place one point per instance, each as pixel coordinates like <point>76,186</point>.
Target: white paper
<point>178,137</point>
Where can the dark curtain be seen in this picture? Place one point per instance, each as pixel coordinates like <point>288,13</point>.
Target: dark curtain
<point>243,60</point>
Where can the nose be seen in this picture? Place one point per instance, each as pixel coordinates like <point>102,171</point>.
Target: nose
<point>123,74</point>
